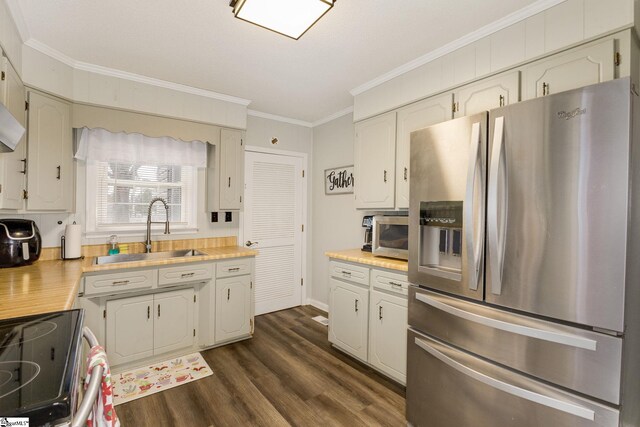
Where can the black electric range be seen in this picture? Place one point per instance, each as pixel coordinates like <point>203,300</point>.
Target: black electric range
<point>40,358</point>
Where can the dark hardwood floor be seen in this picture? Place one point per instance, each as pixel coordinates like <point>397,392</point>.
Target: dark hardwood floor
<point>287,374</point>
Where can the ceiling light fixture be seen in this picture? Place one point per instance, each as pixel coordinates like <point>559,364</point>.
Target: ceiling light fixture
<point>291,18</point>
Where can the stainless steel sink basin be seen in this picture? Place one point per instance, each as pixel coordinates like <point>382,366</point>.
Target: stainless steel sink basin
<point>122,258</point>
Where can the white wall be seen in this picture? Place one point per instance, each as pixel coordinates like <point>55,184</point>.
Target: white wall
<point>336,223</point>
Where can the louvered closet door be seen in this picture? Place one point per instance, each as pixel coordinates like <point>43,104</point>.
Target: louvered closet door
<point>273,221</point>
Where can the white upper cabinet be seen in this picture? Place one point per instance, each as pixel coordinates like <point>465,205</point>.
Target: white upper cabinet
<point>225,171</point>
<point>49,154</point>
<point>12,164</point>
<point>231,169</point>
<point>410,118</point>
<point>487,94</point>
<point>570,70</point>
<point>374,162</point>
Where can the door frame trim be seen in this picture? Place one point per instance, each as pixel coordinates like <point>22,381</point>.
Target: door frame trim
<point>305,212</point>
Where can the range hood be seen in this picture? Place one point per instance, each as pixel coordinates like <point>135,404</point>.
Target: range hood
<point>10,130</point>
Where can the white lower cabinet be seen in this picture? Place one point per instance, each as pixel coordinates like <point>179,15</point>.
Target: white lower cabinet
<point>369,320</point>
<point>233,308</point>
<point>348,317</point>
<point>129,329</point>
<point>387,334</point>
<point>147,325</point>
<point>173,324</point>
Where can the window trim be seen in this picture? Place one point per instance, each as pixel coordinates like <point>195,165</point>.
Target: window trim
<point>93,230</point>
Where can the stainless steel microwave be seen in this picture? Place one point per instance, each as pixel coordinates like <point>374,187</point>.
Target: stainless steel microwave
<point>390,236</point>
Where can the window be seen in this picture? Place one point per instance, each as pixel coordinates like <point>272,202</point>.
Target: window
<point>124,190</point>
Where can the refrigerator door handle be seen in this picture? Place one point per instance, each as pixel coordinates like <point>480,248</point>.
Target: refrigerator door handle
<point>497,208</point>
<point>473,240</point>
<point>551,336</point>
<point>541,399</point>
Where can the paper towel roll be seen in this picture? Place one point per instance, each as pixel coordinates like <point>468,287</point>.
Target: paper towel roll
<point>72,242</point>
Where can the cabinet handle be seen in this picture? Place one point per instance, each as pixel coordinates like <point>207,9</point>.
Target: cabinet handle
<point>545,88</point>
<point>356,306</point>
<point>183,275</point>
<point>380,312</point>
<point>502,100</point>
<point>346,273</point>
<point>385,176</point>
<point>229,182</point>
<point>158,311</point>
<point>405,173</point>
<point>228,293</point>
<point>394,284</point>
<point>234,269</point>
<point>148,312</point>
<point>24,166</point>
<point>58,177</point>
<point>120,282</point>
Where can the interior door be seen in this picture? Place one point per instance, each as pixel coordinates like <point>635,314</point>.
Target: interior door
<point>273,224</point>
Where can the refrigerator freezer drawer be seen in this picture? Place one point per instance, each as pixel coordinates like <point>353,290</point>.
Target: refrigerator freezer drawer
<point>578,359</point>
<point>447,387</point>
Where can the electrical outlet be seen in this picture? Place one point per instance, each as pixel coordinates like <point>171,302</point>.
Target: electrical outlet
<point>214,216</point>
<point>227,217</point>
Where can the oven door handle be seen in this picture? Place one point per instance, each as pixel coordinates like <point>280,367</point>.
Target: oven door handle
<point>91,394</point>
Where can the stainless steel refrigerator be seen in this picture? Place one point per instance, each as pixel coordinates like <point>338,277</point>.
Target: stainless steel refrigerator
<point>524,253</point>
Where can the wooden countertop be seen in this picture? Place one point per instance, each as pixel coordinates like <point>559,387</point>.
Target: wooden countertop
<point>47,286</point>
<point>357,255</point>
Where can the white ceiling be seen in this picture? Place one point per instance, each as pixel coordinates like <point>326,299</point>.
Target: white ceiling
<point>199,43</point>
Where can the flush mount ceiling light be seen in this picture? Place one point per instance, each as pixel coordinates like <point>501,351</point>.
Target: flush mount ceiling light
<point>291,18</point>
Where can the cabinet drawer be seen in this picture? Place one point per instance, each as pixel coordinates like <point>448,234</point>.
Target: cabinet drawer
<point>235,267</point>
<point>388,281</point>
<point>349,272</point>
<point>185,274</point>
<point>119,282</point>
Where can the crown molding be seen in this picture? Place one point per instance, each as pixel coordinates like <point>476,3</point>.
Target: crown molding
<point>514,18</point>
<point>125,75</point>
<point>18,19</point>
<point>277,118</point>
<point>333,116</point>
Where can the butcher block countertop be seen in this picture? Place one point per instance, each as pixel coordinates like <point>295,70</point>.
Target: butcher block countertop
<point>47,286</point>
<point>359,256</point>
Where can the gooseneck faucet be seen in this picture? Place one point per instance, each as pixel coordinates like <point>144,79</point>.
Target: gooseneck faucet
<point>149,222</point>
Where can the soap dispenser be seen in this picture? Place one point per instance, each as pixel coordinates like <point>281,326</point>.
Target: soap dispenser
<point>113,242</point>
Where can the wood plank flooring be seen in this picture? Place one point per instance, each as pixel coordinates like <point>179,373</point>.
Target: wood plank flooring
<point>287,374</point>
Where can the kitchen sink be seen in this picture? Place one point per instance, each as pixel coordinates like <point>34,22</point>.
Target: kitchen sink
<point>123,258</point>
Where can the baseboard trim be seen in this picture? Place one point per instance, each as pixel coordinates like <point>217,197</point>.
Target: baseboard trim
<point>317,304</point>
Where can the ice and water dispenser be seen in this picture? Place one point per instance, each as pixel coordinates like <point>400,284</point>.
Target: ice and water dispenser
<point>441,238</point>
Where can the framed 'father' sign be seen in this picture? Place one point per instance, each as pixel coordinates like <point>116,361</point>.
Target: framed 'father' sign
<point>338,180</point>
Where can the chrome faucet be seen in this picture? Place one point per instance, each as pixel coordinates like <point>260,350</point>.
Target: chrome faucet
<point>149,222</point>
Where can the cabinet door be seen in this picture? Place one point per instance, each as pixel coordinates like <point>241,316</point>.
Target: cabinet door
<point>374,162</point>
<point>413,117</point>
<point>173,325</point>
<point>488,94</point>
<point>388,334</point>
<point>49,154</point>
<point>570,70</point>
<point>233,307</point>
<point>231,169</point>
<point>12,165</point>
<point>129,329</point>
<point>348,317</point>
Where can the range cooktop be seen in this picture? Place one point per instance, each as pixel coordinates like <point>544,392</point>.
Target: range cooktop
<point>39,361</point>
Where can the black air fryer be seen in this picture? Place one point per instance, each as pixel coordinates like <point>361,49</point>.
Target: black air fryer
<point>20,242</point>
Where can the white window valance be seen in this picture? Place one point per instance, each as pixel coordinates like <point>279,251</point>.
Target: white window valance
<point>101,145</point>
